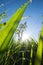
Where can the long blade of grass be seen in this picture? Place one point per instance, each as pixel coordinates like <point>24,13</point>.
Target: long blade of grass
<point>40,49</point>
<point>7,33</point>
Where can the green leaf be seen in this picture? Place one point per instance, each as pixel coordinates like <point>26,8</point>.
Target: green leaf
<point>7,32</point>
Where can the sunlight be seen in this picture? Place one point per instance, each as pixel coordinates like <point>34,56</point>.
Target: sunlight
<point>25,36</point>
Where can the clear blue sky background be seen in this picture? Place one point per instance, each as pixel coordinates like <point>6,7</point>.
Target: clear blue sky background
<point>34,9</point>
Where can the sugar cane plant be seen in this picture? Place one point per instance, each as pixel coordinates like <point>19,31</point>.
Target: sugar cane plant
<point>19,53</point>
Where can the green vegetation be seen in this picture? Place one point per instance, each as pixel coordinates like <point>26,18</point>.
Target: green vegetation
<point>12,52</point>
<point>24,53</point>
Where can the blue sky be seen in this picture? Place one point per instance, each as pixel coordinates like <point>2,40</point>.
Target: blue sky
<point>34,9</point>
